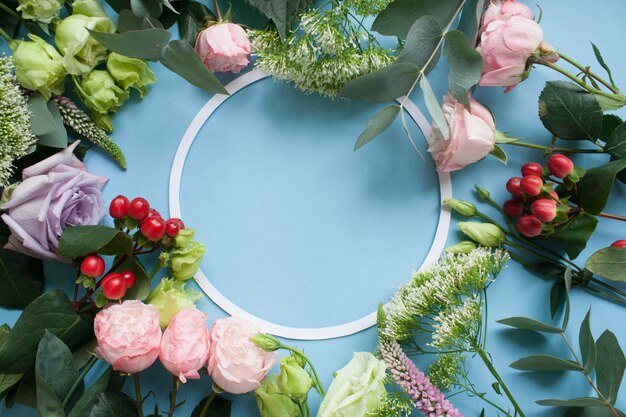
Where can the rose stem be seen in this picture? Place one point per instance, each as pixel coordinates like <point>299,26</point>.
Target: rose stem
<point>10,11</point>
<point>550,149</point>
<point>156,268</point>
<point>138,395</point>
<point>173,394</point>
<point>612,216</point>
<point>579,82</point>
<point>217,10</point>
<point>609,286</point>
<point>590,73</point>
<point>207,404</point>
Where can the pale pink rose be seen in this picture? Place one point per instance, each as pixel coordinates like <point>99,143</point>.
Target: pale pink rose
<point>185,344</point>
<point>129,335</point>
<point>498,8</point>
<point>472,135</point>
<point>224,47</point>
<point>236,364</point>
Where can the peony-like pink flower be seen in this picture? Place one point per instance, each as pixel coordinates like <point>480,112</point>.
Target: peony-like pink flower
<point>129,335</point>
<point>236,364</point>
<point>509,38</point>
<point>472,135</point>
<point>185,344</point>
<point>224,47</point>
<point>55,193</point>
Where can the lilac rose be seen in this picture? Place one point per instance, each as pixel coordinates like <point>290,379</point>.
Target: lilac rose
<point>55,193</point>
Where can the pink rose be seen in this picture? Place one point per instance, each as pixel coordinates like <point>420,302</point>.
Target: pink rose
<point>55,193</point>
<point>236,364</point>
<point>472,135</point>
<point>509,37</point>
<point>224,47</point>
<point>185,344</point>
<point>129,335</point>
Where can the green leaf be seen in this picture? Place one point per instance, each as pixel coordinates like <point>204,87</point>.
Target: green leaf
<point>127,21</point>
<point>383,85</point>
<point>141,289</point>
<point>48,404</point>
<point>8,381</point>
<point>569,112</point>
<point>422,41</point>
<point>434,108</point>
<point>466,65</point>
<point>24,393</point>
<point>600,59</point>
<point>596,185</point>
<point>592,412</point>
<point>21,278</point>
<point>179,57</point>
<point>587,345</point>
<point>545,363</point>
<point>86,402</point>
<point>616,141</point>
<point>119,5</point>
<point>397,18</point>
<point>378,124</point>
<point>113,404</point>
<point>57,137</point>
<point>609,263</point>
<point>525,323</point>
<point>79,241</point>
<point>610,122</point>
<point>610,103</point>
<point>146,8</point>
<point>53,312</point>
<point>193,18</point>
<point>41,120</point>
<point>283,13</point>
<point>567,279</point>
<point>557,298</point>
<point>610,366</point>
<point>220,407</point>
<point>143,44</point>
<point>470,18</point>
<point>573,236</point>
<point>498,153</point>
<point>575,402</point>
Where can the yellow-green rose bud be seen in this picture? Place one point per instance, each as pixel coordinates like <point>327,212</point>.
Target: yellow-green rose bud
<point>101,94</point>
<point>266,341</point>
<point>91,8</point>
<point>272,403</point>
<point>293,380</point>
<point>184,238</point>
<point>185,262</point>
<point>462,247</point>
<point>486,234</point>
<point>43,11</point>
<point>130,72</point>
<point>81,52</point>
<point>464,208</point>
<point>170,297</point>
<point>38,66</point>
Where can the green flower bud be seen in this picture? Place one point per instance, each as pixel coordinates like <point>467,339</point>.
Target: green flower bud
<point>272,403</point>
<point>266,341</point>
<point>185,262</point>
<point>102,95</point>
<point>462,247</point>
<point>293,380</point>
<point>38,66</point>
<point>81,52</point>
<point>130,72</point>
<point>486,234</point>
<point>170,297</point>
<point>43,11</point>
<point>464,208</point>
<point>184,238</point>
<point>91,8</point>
<point>483,193</point>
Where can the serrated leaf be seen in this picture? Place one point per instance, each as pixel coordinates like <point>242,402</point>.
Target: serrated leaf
<point>282,12</point>
<point>466,65</point>
<point>616,141</point>
<point>595,186</point>
<point>545,363</point>
<point>378,124</point>
<point>573,236</point>
<point>422,41</point>
<point>383,85</point>
<point>525,323</point>
<point>143,44</point>
<point>193,18</point>
<point>434,108</point>
<point>609,263</point>
<point>397,18</point>
<point>587,345</point>
<point>79,241</point>
<point>575,402</point>
<point>610,366</point>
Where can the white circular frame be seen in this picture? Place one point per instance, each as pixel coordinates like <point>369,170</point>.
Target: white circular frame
<point>297,333</point>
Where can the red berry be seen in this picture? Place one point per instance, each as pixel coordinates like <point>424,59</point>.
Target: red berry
<point>560,165</point>
<point>118,208</point>
<point>619,244</point>
<point>513,207</point>
<point>532,168</point>
<point>113,286</point>
<point>129,278</point>
<point>153,213</point>
<point>513,186</point>
<point>544,209</point>
<point>138,208</point>
<point>153,228</point>
<point>529,226</point>
<point>178,221</point>
<point>531,185</point>
<point>171,228</point>
<point>92,266</point>
<point>554,195</point>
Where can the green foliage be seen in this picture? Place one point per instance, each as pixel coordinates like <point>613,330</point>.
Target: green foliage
<point>88,400</point>
<point>21,278</point>
<point>79,241</point>
<point>434,108</point>
<point>397,18</point>
<point>587,345</point>
<point>466,65</point>
<point>378,124</point>
<point>141,289</point>
<point>283,13</point>
<point>193,18</point>
<point>610,366</point>
<point>616,140</point>
<point>142,44</point>
<point>220,407</point>
<point>470,19</point>
<point>573,236</point>
<point>113,404</point>
<point>383,85</point>
<point>609,263</point>
<point>545,363</point>
<point>525,323</point>
<point>421,43</point>
<point>596,185</point>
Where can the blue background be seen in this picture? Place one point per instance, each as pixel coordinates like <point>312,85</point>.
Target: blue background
<point>304,232</point>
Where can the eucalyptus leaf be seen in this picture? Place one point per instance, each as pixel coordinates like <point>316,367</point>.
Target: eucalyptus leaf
<point>609,263</point>
<point>21,278</point>
<point>587,345</point>
<point>283,13</point>
<point>610,366</point>
<point>119,5</point>
<point>421,43</point>
<point>592,412</point>
<point>398,17</point>
<point>79,241</point>
<point>143,44</point>
<point>41,120</point>
<point>193,18</point>
<point>113,404</point>
<point>383,85</point>
<point>434,108</point>
<point>596,185</point>
<point>57,137</point>
<point>575,402</point>
<point>378,124</point>
<point>545,363</point>
<point>567,279</point>
<point>127,21</point>
<point>525,323</point>
<point>466,65</point>
<point>470,19</point>
<point>573,236</point>
<point>146,8</point>
<point>610,122</point>
<point>48,404</point>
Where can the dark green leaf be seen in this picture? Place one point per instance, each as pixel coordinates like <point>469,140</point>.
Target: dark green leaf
<point>21,278</point>
<point>83,353</point>
<point>48,404</point>
<point>41,120</point>
<point>421,42</point>
<point>383,85</point>
<point>545,363</point>
<point>7,381</point>
<point>78,241</point>
<point>546,269</point>
<point>141,289</point>
<point>283,13</point>
<point>567,279</point>
<point>57,137</point>
<point>600,59</point>
<point>170,14</point>
<point>498,153</point>
<point>466,65</point>
<point>397,18</point>
<point>119,5</point>
<point>24,393</point>
<point>434,108</point>
<point>569,112</point>
<point>609,263</point>
<point>525,323</point>
<point>610,103</point>
<point>575,402</point>
<point>557,298</point>
<point>127,21</point>
<point>616,141</point>
<point>496,388</point>
<point>51,311</point>
<point>378,124</point>
<point>193,18</point>
<point>55,365</point>
<point>144,44</point>
<point>592,412</point>
<point>470,19</point>
<point>587,345</point>
<point>220,407</point>
<point>86,402</point>
<point>610,366</point>
<point>113,404</point>
<point>573,236</point>
<point>609,124</point>
<point>179,57</point>
<point>596,185</point>
<point>146,8</point>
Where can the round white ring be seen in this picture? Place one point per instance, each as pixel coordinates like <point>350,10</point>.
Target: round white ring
<point>319,333</point>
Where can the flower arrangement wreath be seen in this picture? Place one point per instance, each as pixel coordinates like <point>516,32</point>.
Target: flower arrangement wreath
<point>121,315</point>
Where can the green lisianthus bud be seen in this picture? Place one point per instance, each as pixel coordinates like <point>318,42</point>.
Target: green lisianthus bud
<point>170,297</point>
<point>293,380</point>
<point>483,193</point>
<point>130,72</point>
<point>462,247</point>
<point>91,8</point>
<point>38,66</point>
<point>266,341</point>
<point>486,234</point>
<point>185,262</point>
<point>43,11</point>
<point>272,403</point>
<point>81,52</point>
<point>464,208</point>
<point>184,238</point>
<point>102,95</point>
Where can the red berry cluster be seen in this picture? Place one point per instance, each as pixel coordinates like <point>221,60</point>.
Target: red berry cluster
<point>619,244</point>
<point>151,224</point>
<point>534,201</point>
<point>114,285</point>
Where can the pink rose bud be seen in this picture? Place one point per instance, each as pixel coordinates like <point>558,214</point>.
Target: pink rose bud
<point>129,335</point>
<point>236,364</point>
<point>224,47</point>
<point>472,135</point>
<point>185,344</point>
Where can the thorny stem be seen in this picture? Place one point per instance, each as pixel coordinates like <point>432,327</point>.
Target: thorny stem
<point>138,395</point>
<point>586,70</point>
